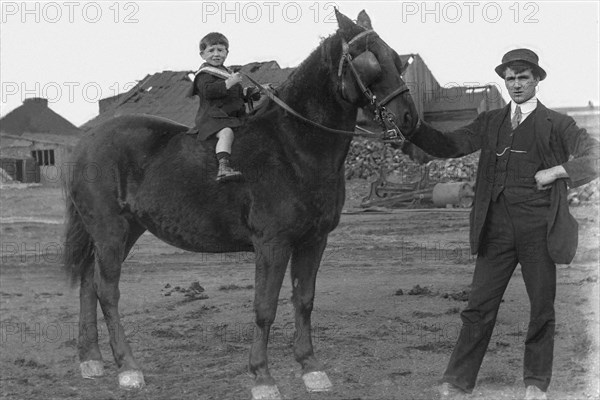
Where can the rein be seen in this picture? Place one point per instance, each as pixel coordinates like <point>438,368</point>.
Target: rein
<point>392,132</point>
<point>282,104</point>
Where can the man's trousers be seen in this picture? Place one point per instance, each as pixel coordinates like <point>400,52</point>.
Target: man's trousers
<point>514,233</point>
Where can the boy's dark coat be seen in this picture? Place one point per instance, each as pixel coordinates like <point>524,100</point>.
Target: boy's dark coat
<point>219,107</point>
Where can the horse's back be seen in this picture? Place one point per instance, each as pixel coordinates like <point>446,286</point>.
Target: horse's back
<point>127,138</point>
<point>134,128</point>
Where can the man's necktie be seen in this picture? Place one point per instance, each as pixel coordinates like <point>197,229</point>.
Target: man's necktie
<point>516,119</point>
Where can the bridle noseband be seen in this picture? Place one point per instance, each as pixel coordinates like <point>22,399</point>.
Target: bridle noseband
<point>391,134</point>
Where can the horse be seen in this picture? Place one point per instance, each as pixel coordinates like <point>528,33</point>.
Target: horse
<point>151,174</point>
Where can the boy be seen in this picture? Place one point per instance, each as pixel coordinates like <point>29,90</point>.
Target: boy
<point>221,101</point>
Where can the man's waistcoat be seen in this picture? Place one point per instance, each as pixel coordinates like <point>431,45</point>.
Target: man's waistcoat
<point>517,161</point>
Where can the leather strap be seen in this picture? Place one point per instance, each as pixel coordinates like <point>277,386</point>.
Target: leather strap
<point>289,109</point>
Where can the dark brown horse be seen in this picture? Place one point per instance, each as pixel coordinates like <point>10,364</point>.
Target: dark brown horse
<point>138,173</point>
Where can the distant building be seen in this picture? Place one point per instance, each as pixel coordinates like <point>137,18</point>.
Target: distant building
<point>587,117</point>
<point>35,143</point>
<point>446,107</point>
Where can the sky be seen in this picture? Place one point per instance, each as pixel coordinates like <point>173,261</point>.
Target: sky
<point>75,53</point>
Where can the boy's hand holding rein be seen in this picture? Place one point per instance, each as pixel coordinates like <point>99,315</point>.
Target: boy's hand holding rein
<point>234,79</point>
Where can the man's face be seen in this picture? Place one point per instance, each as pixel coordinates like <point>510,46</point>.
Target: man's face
<point>521,86</point>
<point>215,55</point>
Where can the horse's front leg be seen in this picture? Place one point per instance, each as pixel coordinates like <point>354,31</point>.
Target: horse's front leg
<point>306,259</point>
<point>271,263</point>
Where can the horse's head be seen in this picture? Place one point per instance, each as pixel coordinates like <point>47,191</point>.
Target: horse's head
<point>369,75</point>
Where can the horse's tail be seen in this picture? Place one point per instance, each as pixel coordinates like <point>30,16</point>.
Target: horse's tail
<point>78,250</point>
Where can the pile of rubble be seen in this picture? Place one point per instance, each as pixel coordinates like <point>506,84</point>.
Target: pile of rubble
<point>462,169</point>
<point>366,159</point>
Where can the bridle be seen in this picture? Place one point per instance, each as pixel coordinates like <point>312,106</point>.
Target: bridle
<point>386,117</point>
<point>391,132</point>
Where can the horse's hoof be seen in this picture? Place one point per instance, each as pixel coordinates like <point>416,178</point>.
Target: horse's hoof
<point>265,392</point>
<point>317,381</point>
<point>131,379</point>
<point>91,369</point>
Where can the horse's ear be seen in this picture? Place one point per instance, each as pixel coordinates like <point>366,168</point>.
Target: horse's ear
<point>344,23</point>
<point>364,20</point>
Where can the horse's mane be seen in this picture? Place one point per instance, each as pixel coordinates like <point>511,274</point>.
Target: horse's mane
<point>302,82</point>
<point>320,60</point>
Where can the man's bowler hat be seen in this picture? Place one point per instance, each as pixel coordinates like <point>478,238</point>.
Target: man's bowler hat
<point>523,55</point>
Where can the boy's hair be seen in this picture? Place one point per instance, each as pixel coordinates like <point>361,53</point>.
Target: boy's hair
<point>520,66</point>
<point>212,39</point>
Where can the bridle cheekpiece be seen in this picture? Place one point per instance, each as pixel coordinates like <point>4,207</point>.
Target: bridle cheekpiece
<point>385,117</point>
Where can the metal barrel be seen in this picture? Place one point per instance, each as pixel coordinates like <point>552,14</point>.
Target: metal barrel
<point>453,193</point>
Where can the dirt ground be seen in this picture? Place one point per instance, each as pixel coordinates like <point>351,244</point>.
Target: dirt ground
<point>379,335</point>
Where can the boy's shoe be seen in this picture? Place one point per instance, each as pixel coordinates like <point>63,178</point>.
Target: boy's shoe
<point>534,393</point>
<point>226,173</point>
<point>448,391</point>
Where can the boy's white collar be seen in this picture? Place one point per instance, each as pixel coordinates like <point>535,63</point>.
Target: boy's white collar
<point>221,73</point>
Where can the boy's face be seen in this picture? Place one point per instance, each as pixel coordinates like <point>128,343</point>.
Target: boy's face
<point>215,55</point>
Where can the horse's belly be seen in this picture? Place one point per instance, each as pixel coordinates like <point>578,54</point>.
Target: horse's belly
<point>203,243</point>
<point>197,232</point>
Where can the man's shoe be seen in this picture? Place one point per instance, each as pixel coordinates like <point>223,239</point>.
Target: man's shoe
<point>226,173</point>
<point>535,393</point>
<point>448,391</point>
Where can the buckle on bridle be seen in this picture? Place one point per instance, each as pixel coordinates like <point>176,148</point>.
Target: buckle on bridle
<point>393,135</point>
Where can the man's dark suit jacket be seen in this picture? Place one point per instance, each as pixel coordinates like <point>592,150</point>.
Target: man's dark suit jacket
<point>557,138</point>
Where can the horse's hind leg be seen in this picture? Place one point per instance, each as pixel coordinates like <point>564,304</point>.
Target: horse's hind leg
<point>306,259</point>
<point>113,241</point>
<point>91,364</point>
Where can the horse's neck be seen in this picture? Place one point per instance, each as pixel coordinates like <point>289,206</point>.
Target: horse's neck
<point>311,90</point>
<point>312,93</point>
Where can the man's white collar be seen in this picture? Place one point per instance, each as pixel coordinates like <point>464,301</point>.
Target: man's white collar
<point>526,107</point>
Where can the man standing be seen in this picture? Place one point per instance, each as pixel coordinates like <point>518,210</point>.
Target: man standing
<point>520,216</point>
